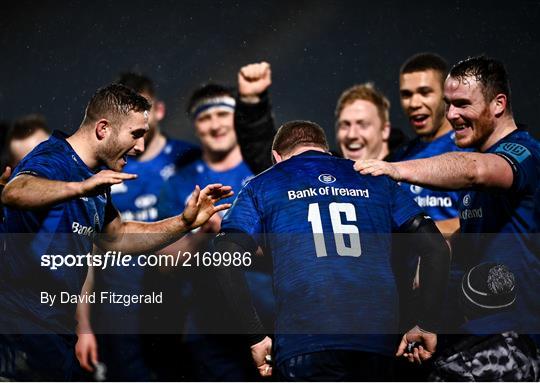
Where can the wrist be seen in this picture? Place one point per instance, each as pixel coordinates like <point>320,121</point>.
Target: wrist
<point>263,342</point>
<point>250,98</point>
<point>76,188</point>
<point>185,223</point>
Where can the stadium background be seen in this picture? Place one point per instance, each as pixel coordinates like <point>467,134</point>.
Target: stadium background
<point>55,54</point>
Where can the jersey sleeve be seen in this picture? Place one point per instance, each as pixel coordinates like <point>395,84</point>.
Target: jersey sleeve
<point>46,166</point>
<point>524,165</point>
<point>403,206</point>
<point>243,216</point>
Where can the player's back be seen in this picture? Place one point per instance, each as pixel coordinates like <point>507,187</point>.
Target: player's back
<point>328,230</point>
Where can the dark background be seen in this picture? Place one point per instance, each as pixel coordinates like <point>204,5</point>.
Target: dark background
<point>54,55</point>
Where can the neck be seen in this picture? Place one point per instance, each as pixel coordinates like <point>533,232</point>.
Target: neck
<point>223,161</point>
<point>503,127</point>
<point>303,149</point>
<point>444,128</point>
<point>384,151</point>
<point>153,147</point>
<point>82,144</point>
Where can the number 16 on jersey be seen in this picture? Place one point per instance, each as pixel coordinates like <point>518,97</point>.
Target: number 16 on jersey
<point>339,229</point>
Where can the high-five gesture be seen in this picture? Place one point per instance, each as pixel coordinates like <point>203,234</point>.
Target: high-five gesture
<point>202,204</point>
<point>254,79</point>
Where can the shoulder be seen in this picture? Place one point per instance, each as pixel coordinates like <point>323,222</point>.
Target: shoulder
<point>519,145</point>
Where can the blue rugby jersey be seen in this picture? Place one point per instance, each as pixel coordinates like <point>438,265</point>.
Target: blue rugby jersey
<point>508,218</point>
<point>333,284</point>
<point>22,276</point>
<point>176,194</point>
<point>138,200</point>
<point>438,204</point>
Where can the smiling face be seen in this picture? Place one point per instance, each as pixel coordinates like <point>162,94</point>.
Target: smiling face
<point>468,111</point>
<point>125,137</point>
<point>361,133</point>
<point>215,129</point>
<point>421,95</point>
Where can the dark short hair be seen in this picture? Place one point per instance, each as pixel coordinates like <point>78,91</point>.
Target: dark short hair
<point>25,126</point>
<point>299,132</point>
<point>207,91</point>
<point>114,101</point>
<point>487,71</point>
<point>22,128</point>
<point>138,82</point>
<point>421,62</point>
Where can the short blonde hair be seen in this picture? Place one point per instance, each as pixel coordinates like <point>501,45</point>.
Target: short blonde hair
<point>366,92</point>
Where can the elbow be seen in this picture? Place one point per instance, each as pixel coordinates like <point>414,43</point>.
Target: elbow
<point>9,196</point>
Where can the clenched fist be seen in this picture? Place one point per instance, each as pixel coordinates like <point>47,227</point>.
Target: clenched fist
<point>254,79</point>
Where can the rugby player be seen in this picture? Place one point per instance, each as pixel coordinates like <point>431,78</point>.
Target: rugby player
<point>62,187</point>
<point>335,290</point>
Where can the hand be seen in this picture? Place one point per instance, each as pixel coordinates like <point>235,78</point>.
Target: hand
<point>98,182</point>
<point>259,354</point>
<point>421,353</point>
<point>201,205</point>
<point>5,176</point>
<point>377,168</point>
<point>86,351</point>
<point>212,226</point>
<point>254,79</point>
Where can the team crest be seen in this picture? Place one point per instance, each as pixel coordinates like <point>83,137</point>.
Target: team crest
<point>327,178</point>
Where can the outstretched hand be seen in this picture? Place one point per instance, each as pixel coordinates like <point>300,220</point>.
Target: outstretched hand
<point>99,181</point>
<point>424,351</point>
<point>262,356</point>
<point>377,168</point>
<point>202,204</point>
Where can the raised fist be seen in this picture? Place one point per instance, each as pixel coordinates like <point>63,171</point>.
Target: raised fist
<point>254,79</point>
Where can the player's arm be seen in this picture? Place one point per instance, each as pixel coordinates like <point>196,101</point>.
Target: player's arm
<point>429,244</point>
<point>253,118</point>
<point>453,170</point>
<point>233,285</point>
<point>133,236</point>
<point>27,191</point>
<point>86,348</point>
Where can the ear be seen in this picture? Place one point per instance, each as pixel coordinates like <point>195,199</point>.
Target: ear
<point>498,105</point>
<point>276,156</point>
<point>159,110</point>
<point>102,128</point>
<point>386,131</point>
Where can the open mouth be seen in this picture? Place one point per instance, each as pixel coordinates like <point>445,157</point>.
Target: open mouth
<point>354,147</point>
<point>419,120</point>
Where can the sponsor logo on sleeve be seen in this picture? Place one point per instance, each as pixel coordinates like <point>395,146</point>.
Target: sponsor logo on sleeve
<point>519,152</point>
